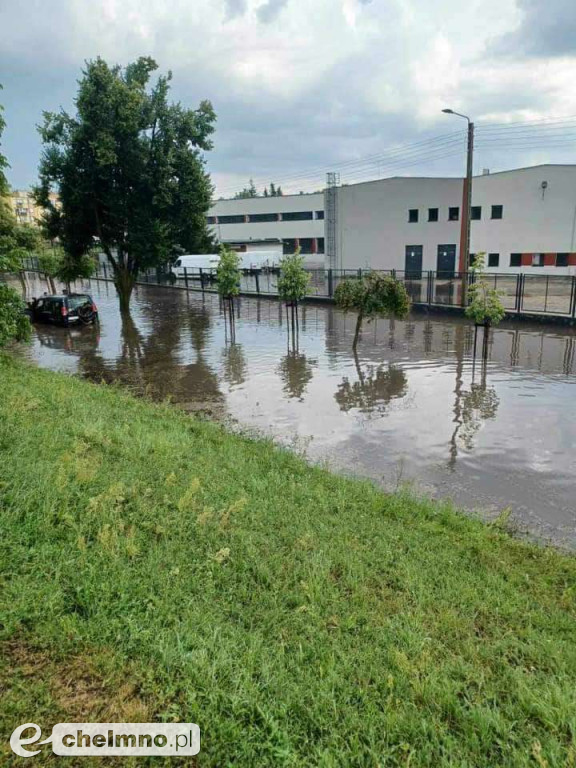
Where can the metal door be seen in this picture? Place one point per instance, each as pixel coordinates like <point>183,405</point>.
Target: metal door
<point>413,262</point>
<point>446,261</point>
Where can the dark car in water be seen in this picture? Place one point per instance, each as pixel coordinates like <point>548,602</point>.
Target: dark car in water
<point>64,309</point>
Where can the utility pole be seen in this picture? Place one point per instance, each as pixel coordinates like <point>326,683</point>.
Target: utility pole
<point>464,260</point>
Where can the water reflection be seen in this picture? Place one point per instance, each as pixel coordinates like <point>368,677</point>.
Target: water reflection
<point>490,435</point>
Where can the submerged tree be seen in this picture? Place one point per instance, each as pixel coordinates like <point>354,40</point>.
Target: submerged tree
<point>228,280</point>
<point>485,306</point>
<point>292,285</point>
<point>129,172</point>
<point>373,295</point>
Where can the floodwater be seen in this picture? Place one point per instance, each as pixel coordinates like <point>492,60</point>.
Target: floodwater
<point>411,409</point>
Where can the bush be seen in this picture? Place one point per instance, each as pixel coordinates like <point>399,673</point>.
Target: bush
<point>485,306</point>
<point>14,325</point>
<point>294,280</point>
<point>228,273</point>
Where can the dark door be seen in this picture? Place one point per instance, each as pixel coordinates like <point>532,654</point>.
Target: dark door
<point>413,262</point>
<point>446,261</point>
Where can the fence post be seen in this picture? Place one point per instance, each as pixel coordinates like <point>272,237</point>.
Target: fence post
<point>430,286</point>
<point>201,279</point>
<point>360,274</point>
<point>573,298</point>
<point>330,284</point>
<point>257,277</point>
<point>186,276</point>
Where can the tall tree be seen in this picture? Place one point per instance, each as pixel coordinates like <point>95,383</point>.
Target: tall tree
<point>15,242</point>
<point>129,171</point>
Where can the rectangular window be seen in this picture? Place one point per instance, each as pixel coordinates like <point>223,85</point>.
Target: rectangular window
<point>561,259</point>
<point>471,257</point>
<point>476,212</point>
<point>319,214</point>
<point>210,219</point>
<point>256,217</point>
<point>306,245</point>
<point>320,245</point>
<point>297,216</point>
<point>453,214</point>
<point>231,219</point>
<point>493,259</point>
<point>413,215</point>
<point>432,214</point>
<point>288,246</point>
<point>497,211</point>
<point>537,259</point>
<point>515,259</point>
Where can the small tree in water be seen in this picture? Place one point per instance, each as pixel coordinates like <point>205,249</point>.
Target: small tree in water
<point>293,284</point>
<point>228,279</point>
<point>374,295</point>
<point>485,306</point>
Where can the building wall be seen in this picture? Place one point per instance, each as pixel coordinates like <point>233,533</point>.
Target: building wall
<point>283,230</point>
<point>373,229</point>
<point>25,208</point>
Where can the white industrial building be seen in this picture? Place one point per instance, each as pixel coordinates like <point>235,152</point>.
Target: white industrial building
<point>524,219</point>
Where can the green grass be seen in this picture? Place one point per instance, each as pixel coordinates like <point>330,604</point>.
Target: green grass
<point>157,567</point>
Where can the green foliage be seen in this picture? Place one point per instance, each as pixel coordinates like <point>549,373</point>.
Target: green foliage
<point>228,273</point>
<point>373,295</point>
<point>129,170</point>
<point>294,280</point>
<point>247,193</point>
<point>485,306</point>
<point>14,324</point>
<point>59,264</point>
<point>305,618</point>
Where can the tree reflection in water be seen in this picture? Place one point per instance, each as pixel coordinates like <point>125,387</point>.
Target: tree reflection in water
<point>375,388</point>
<point>235,367</point>
<point>296,371</point>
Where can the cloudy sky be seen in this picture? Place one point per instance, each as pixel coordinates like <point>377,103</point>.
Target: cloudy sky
<point>304,86</point>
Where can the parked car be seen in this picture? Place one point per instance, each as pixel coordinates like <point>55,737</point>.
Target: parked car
<point>64,309</point>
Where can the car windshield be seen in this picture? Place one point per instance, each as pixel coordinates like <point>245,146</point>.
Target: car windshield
<point>78,301</point>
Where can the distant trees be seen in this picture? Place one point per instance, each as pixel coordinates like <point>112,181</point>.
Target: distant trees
<point>129,170</point>
<point>251,191</point>
<point>373,295</point>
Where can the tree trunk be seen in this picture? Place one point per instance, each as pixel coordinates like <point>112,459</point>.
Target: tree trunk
<point>358,329</point>
<point>124,282</point>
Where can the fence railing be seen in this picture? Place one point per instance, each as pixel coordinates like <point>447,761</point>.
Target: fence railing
<point>520,293</point>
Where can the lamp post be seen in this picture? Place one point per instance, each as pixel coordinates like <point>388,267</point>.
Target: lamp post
<point>466,206</point>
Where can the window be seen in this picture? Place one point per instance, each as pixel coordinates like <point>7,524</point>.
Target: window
<point>319,214</point>
<point>297,216</point>
<point>561,259</point>
<point>476,212</point>
<point>497,211</point>
<point>471,257</point>
<point>537,259</point>
<point>74,302</point>
<point>432,214</point>
<point>231,219</point>
<point>210,219</point>
<point>254,217</point>
<point>320,245</point>
<point>453,214</point>
<point>413,215</point>
<point>515,259</point>
<point>289,246</point>
<point>493,259</point>
<point>306,245</point>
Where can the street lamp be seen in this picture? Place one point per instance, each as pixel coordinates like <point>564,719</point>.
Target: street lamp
<point>466,205</point>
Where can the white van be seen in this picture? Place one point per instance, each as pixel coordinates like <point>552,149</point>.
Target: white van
<point>193,263</point>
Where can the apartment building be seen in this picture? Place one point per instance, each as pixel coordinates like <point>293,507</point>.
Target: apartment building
<point>25,208</point>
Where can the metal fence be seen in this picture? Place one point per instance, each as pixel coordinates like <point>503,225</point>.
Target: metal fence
<point>520,293</point>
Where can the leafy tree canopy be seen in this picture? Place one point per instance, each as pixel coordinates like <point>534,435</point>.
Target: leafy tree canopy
<point>485,305</point>
<point>293,281</point>
<point>129,170</point>
<point>373,295</point>
<point>228,273</point>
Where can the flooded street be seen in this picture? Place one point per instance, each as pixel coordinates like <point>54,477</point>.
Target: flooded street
<point>412,409</point>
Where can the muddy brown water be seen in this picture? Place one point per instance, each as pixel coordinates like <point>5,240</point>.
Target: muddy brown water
<point>413,408</point>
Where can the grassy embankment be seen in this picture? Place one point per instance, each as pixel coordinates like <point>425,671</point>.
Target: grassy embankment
<point>157,567</point>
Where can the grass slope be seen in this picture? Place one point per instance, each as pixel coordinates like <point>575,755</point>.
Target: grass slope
<point>154,566</point>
